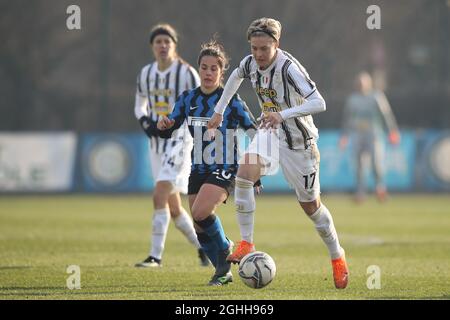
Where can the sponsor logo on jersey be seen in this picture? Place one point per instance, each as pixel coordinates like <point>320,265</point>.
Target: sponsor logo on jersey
<point>161,92</point>
<point>270,107</point>
<point>270,93</point>
<point>162,108</point>
<point>198,121</point>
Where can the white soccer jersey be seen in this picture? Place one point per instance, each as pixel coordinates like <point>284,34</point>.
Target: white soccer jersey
<point>283,87</point>
<point>158,91</point>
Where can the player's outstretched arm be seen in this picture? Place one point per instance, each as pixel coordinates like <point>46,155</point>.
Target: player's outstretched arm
<point>313,101</point>
<point>232,85</point>
<point>389,118</point>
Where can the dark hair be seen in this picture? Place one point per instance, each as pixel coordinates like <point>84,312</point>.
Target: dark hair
<point>214,49</point>
<point>163,28</point>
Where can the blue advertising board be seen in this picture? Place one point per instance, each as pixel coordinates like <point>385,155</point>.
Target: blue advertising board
<point>114,162</point>
<point>120,163</point>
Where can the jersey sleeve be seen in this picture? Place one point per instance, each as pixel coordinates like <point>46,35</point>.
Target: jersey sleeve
<point>141,99</point>
<point>232,85</point>
<point>299,79</point>
<point>313,102</point>
<point>244,67</point>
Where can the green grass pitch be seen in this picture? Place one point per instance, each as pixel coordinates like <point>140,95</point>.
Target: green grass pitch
<point>408,238</point>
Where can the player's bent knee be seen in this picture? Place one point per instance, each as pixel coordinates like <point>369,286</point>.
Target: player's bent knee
<point>162,192</point>
<point>175,209</point>
<point>310,207</point>
<point>249,172</point>
<point>250,167</point>
<point>199,213</point>
<point>159,200</point>
<point>175,214</point>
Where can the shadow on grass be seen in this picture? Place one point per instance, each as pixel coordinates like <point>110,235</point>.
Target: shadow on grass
<point>58,291</point>
<point>442,297</point>
<point>14,267</point>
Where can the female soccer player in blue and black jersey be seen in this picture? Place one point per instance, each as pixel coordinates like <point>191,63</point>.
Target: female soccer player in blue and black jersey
<point>214,161</point>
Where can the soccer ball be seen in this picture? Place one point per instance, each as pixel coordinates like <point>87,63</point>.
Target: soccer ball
<point>257,269</point>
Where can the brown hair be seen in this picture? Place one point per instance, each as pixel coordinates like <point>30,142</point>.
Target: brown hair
<point>265,26</point>
<point>214,49</point>
<point>163,28</point>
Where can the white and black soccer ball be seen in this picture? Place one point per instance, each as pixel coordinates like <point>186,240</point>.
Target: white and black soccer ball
<point>257,269</point>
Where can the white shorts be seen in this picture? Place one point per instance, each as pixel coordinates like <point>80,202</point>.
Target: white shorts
<point>174,164</point>
<point>300,167</point>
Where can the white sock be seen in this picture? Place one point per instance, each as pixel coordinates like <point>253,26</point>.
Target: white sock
<point>323,222</point>
<point>184,223</point>
<point>160,224</point>
<point>245,208</point>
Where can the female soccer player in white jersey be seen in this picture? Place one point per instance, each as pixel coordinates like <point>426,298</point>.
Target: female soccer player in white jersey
<point>158,86</point>
<point>287,136</point>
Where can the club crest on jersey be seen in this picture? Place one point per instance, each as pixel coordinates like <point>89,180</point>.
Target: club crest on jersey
<point>270,93</point>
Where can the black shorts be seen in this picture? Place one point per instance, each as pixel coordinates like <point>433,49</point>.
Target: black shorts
<point>219,177</point>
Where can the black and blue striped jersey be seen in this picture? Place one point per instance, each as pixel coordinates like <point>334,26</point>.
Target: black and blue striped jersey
<point>196,108</point>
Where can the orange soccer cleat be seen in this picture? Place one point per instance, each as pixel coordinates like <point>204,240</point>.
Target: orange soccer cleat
<point>243,248</point>
<point>340,272</point>
<point>381,193</point>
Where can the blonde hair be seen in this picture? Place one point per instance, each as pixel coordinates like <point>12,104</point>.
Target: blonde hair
<point>265,26</point>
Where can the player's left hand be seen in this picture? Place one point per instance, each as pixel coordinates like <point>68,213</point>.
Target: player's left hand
<point>271,120</point>
<point>258,187</point>
<point>165,123</point>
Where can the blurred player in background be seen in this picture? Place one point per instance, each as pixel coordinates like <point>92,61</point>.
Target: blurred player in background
<point>366,115</point>
<point>158,86</point>
<point>214,161</point>
<point>287,137</point>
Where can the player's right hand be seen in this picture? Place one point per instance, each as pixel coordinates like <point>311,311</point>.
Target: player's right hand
<point>165,123</point>
<point>215,121</point>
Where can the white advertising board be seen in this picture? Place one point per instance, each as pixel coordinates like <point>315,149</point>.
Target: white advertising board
<point>37,161</point>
